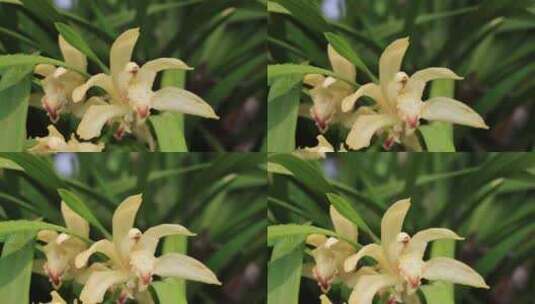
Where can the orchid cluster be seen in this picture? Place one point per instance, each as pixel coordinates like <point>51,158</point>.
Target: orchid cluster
<point>128,101</point>
<point>399,266</point>
<point>398,107</point>
<point>130,262</point>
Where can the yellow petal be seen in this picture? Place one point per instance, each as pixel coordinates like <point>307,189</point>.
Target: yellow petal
<point>96,117</point>
<point>317,152</point>
<point>314,80</point>
<point>149,239</point>
<point>71,55</point>
<point>74,221</point>
<point>325,300</point>
<point>105,247</point>
<point>123,219</point>
<point>368,286</point>
<point>342,225</point>
<point>148,71</point>
<point>44,70</point>
<point>391,225</point>
<point>370,89</point>
<point>99,282</point>
<point>419,241</point>
<point>390,63</point>
<point>374,251</point>
<point>316,240</point>
<point>365,127</point>
<point>100,80</point>
<point>341,65</point>
<point>56,298</point>
<point>416,83</point>
<point>178,100</point>
<point>47,236</point>
<point>450,110</point>
<point>184,267</point>
<point>447,269</point>
<point>121,51</point>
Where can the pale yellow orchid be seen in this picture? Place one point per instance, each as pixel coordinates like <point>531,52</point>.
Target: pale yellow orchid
<point>400,266</point>
<point>318,152</point>
<point>330,253</point>
<point>327,93</point>
<point>131,97</point>
<point>399,105</point>
<point>132,262</point>
<point>61,249</point>
<point>57,299</point>
<point>55,142</point>
<point>59,82</point>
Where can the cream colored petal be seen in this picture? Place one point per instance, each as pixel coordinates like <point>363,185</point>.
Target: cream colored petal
<point>391,225</point>
<point>314,80</point>
<point>124,217</point>
<point>418,243</point>
<point>316,152</point>
<point>325,300</point>
<point>74,221</point>
<point>96,117</point>
<point>79,109</point>
<point>149,239</point>
<point>148,71</point>
<point>316,240</point>
<point>365,127</point>
<point>53,132</point>
<point>179,100</point>
<point>184,267</point>
<point>416,83</point>
<point>450,110</point>
<point>372,250</point>
<point>56,298</point>
<point>370,89</point>
<point>341,65</point>
<point>44,70</point>
<point>99,282</point>
<point>447,269</point>
<point>121,51</point>
<point>100,80</point>
<point>342,225</point>
<point>72,56</point>
<point>105,247</point>
<point>47,236</point>
<point>84,147</point>
<point>368,286</point>
<point>390,62</point>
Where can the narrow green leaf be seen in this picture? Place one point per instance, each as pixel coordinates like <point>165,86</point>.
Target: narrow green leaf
<point>13,114</point>
<point>14,76</point>
<point>6,163</point>
<point>284,271</point>
<point>441,292</point>
<point>37,168</point>
<point>16,268</point>
<point>277,232</point>
<point>307,12</point>
<point>8,61</point>
<point>8,228</point>
<point>283,111</point>
<point>278,70</point>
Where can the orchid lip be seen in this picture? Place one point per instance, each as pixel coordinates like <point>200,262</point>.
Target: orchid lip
<point>143,112</point>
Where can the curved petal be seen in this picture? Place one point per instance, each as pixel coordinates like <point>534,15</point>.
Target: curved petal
<point>96,117</point>
<point>342,225</point>
<point>447,269</point>
<point>99,282</point>
<point>365,127</point>
<point>71,55</point>
<point>391,224</point>
<point>372,250</point>
<point>121,51</point>
<point>316,240</point>
<point>47,236</point>
<point>184,267</point>
<point>149,239</point>
<point>368,285</point>
<point>419,241</point>
<point>148,71</point>
<point>56,298</point>
<point>44,70</point>
<point>105,247</point>
<point>100,80</point>
<point>416,83</point>
<point>325,300</point>
<point>53,132</point>
<point>340,64</point>
<point>450,110</point>
<point>178,100</point>
<point>124,217</point>
<point>314,80</point>
<point>371,90</point>
<point>390,62</point>
<point>74,221</point>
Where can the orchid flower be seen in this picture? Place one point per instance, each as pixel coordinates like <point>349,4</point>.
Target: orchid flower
<point>61,249</point>
<point>330,253</point>
<point>399,105</point>
<point>56,298</point>
<point>400,263</point>
<point>317,152</point>
<point>59,83</point>
<point>129,87</point>
<point>55,142</point>
<point>328,92</point>
<point>132,262</point>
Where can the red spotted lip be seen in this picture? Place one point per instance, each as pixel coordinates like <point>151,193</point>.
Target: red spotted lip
<point>143,112</point>
<point>53,114</point>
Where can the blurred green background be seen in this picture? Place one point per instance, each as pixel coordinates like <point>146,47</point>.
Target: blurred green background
<point>490,43</point>
<point>223,40</point>
<point>221,197</point>
<point>486,197</point>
